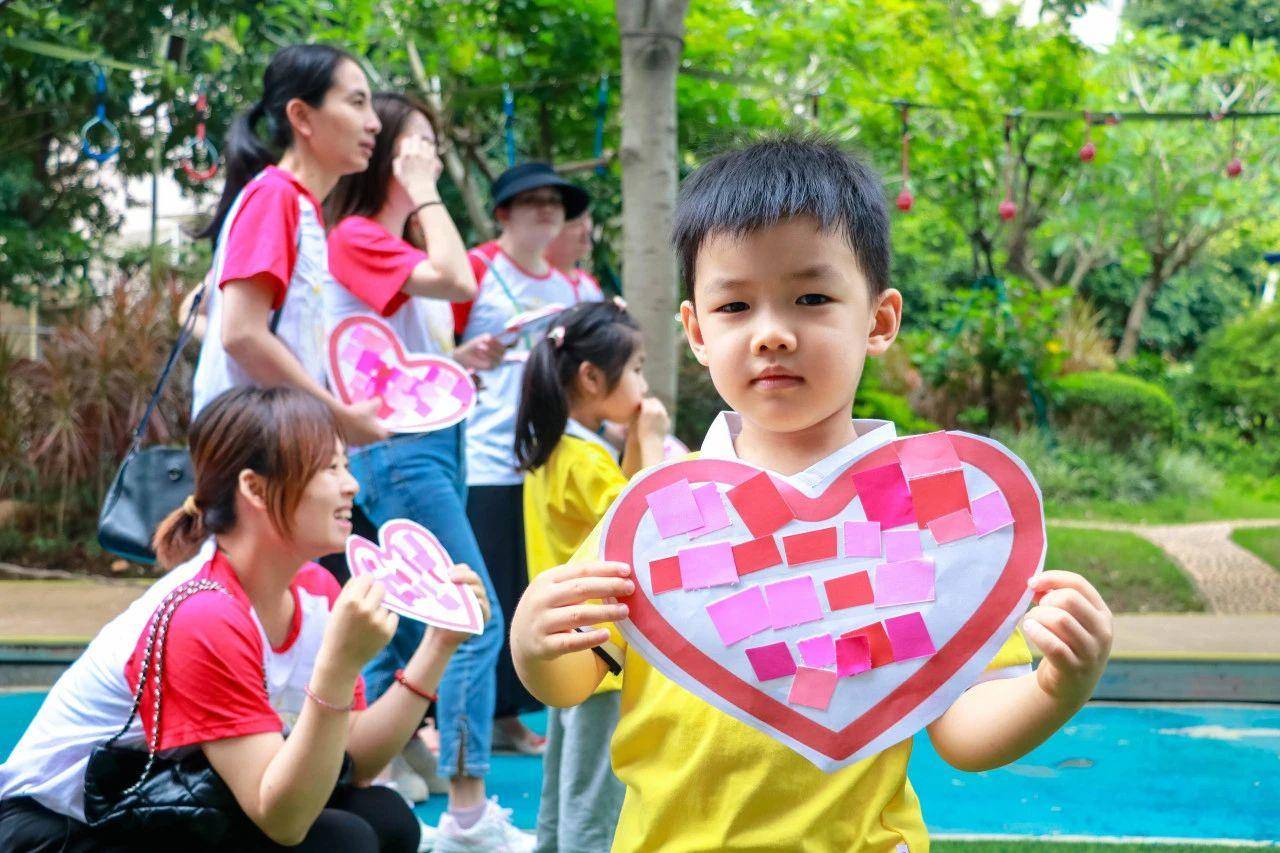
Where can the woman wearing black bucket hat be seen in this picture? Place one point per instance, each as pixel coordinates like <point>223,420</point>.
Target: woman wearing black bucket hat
<point>531,203</point>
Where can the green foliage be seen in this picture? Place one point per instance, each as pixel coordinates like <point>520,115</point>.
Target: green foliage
<point>1262,541</point>
<point>999,348</point>
<point>1221,20</point>
<point>1075,471</point>
<point>1238,375</point>
<point>1131,574</point>
<point>1117,409</point>
<point>882,405</point>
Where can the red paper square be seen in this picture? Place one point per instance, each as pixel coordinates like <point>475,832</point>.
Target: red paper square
<point>755,555</point>
<point>938,495</point>
<point>881,650</point>
<point>664,574</point>
<point>761,505</point>
<point>852,590</point>
<point>810,547</point>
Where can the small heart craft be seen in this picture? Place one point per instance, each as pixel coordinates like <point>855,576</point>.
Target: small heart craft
<point>839,622</point>
<point>418,392</point>
<point>414,567</point>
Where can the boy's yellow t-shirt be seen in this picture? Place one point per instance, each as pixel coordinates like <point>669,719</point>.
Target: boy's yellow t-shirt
<point>699,780</point>
<point>565,498</point>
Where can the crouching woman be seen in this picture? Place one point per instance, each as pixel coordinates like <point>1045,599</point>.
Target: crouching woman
<point>253,653</point>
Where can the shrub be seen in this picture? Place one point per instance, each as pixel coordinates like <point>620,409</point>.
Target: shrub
<point>1237,375</point>
<point>1116,409</point>
<point>882,405</point>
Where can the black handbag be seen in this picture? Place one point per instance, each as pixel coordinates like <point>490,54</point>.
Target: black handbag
<point>151,482</point>
<point>131,795</point>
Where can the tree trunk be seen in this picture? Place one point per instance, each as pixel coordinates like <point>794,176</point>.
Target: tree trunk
<point>652,44</point>
<point>1138,314</point>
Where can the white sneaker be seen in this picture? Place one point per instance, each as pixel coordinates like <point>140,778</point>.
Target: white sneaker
<point>427,839</point>
<point>493,833</point>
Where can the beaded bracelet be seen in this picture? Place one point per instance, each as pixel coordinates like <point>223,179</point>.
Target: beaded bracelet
<point>404,682</point>
<point>323,704</point>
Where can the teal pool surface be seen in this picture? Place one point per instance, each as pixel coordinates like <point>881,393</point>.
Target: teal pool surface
<point>1197,771</point>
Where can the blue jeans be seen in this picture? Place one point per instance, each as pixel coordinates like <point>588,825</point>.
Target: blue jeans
<point>423,478</point>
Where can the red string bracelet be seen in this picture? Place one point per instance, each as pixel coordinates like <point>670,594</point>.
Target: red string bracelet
<point>323,704</point>
<point>404,682</point>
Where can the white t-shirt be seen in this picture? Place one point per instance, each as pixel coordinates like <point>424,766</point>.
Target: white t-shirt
<point>369,267</point>
<point>505,291</point>
<point>212,684</point>
<point>274,229</point>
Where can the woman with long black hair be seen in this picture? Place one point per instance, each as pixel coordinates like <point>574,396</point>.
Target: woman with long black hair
<point>395,254</point>
<point>266,323</point>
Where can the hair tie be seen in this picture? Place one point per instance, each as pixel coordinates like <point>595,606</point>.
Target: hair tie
<point>619,303</point>
<point>556,336</point>
<point>189,506</point>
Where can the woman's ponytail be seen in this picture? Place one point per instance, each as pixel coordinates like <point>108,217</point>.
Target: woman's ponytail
<point>245,156</point>
<point>544,401</point>
<point>180,535</point>
<point>302,71</point>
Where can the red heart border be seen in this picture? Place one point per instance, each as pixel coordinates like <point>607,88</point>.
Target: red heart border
<point>405,360</point>
<point>1023,562</point>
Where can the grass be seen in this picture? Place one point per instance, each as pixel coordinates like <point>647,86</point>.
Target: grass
<point>1263,541</point>
<point>1237,499</point>
<point>1020,846</point>
<point>1133,575</point>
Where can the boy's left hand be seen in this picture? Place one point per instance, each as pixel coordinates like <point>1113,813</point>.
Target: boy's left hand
<point>1071,625</point>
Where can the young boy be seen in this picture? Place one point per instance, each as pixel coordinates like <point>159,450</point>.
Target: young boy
<point>784,251</point>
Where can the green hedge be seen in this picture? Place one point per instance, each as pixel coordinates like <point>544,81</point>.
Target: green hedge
<point>873,403</point>
<point>1237,373</point>
<point>1117,409</point>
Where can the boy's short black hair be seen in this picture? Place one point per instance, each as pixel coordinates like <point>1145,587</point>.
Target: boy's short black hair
<point>778,179</point>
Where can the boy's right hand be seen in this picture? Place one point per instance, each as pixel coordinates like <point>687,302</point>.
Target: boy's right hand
<point>567,597</point>
<point>358,626</point>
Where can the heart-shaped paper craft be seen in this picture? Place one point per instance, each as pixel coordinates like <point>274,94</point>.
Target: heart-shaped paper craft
<point>839,623</point>
<point>414,568</point>
<point>419,392</point>
<point>530,321</point>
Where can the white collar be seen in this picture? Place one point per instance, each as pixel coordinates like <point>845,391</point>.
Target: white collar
<point>577,430</point>
<point>718,444</point>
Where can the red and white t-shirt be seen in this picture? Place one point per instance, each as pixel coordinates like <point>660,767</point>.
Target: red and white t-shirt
<point>506,289</point>
<point>585,283</point>
<point>213,686</point>
<point>275,230</point>
<point>369,266</point>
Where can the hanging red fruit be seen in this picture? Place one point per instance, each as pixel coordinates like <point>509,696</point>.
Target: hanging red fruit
<point>905,200</point>
<point>1008,209</point>
<point>1234,168</point>
<point>1088,151</point>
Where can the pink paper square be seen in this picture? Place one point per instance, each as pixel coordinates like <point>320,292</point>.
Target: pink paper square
<point>350,353</point>
<point>813,688</point>
<point>818,651</point>
<point>771,661</point>
<point>792,602</point>
<point>711,507</point>
<point>884,496</point>
<point>853,655</point>
<point>862,539</point>
<point>740,615</point>
<point>991,512</point>
<point>931,453</point>
<point>707,565</point>
<point>368,362</point>
<point>952,526</point>
<point>902,545</point>
<point>909,637</point>
<point>905,582</point>
<point>674,509</point>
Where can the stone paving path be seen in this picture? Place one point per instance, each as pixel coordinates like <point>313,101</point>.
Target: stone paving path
<point>1231,579</point>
